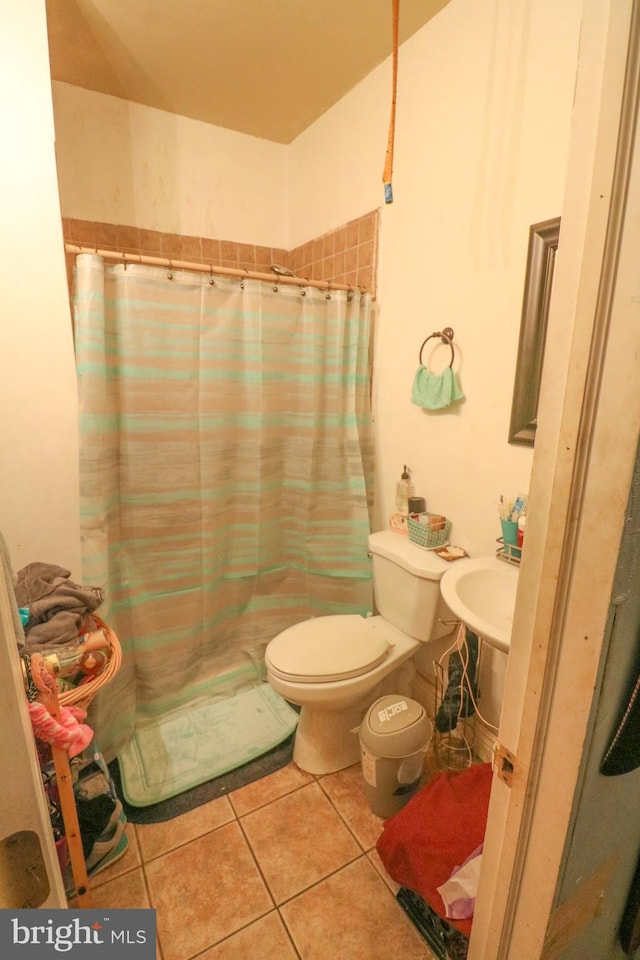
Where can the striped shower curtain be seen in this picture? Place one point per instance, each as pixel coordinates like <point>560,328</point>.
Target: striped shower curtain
<point>225,469</point>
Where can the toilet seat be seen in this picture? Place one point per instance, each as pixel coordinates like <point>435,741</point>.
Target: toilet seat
<point>326,649</point>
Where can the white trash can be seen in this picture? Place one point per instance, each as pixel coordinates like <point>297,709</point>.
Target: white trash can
<point>394,739</point>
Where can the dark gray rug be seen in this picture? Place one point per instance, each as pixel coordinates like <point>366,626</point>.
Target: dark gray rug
<point>168,809</point>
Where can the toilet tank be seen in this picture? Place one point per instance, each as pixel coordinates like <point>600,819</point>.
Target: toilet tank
<point>406,583</point>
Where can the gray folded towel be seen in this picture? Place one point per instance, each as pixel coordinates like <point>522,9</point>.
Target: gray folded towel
<point>57,606</point>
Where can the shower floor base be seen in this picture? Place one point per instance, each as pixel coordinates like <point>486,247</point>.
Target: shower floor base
<point>202,741</point>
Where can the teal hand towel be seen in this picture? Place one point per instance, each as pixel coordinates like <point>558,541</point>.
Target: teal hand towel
<point>434,391</point>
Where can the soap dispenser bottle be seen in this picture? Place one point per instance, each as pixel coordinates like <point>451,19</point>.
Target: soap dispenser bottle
<point>404,490</point>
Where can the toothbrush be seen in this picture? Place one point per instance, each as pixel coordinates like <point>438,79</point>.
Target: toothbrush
<point>517,508</point>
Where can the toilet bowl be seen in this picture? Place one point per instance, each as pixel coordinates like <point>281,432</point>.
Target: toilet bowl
<point>331,667</point>
<point>334,667</point>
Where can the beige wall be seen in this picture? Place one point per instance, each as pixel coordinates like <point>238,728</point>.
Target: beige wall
<point>483,122</point>
<point>122,163</point>
<point>485,96</point>
<point>39,514</point>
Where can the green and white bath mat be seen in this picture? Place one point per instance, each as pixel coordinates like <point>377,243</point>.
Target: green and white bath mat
<point>202,741</point>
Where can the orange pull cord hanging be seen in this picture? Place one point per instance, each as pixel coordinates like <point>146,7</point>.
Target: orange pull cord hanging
<point>388,163</point>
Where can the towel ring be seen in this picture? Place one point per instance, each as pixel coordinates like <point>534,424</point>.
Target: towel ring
<point>446,335</point>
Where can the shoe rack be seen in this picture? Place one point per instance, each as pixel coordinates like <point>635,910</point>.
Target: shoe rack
<point>48,697</point>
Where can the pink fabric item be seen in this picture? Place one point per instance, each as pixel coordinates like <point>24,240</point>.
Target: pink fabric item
<point>438,829</point>
<point>68,733</point>
<point>462,908</point>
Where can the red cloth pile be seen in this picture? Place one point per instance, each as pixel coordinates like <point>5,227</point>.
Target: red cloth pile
<point>437,830</point>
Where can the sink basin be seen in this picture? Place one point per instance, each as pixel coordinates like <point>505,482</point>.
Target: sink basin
<point>481,592</point>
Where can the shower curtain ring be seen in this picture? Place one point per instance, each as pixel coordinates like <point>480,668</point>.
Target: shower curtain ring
<point>211,280</point>
<point>170,273</point>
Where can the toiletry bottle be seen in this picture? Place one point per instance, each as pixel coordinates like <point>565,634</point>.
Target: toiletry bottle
<point>65,662</point>
<point>522,522</point>
<point>404,490</point>
<point>76,657</point>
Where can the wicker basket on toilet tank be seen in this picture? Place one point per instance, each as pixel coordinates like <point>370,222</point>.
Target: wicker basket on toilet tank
<point>428,530</point>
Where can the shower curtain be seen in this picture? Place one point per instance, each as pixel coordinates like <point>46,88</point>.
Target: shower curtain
<point>225,469</point>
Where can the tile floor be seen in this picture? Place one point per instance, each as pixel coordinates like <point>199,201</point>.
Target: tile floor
<point>282,869</point>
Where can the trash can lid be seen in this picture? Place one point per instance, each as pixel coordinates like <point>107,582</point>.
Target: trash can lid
<point>395,726</point>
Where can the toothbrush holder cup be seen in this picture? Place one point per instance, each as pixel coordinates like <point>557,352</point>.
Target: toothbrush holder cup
<point>510,536</point>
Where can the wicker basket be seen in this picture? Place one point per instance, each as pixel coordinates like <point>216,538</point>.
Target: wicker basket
<point>83,694</point>
<point>430,533</point>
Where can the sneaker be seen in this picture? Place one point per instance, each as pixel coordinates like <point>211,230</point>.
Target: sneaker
<point>118,851</point>
<point>105,845</point>
<point>103,854</point>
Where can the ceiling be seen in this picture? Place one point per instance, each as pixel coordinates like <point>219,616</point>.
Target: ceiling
<point>268,68</point>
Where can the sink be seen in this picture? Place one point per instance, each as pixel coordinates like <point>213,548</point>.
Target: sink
<point>481,591</point>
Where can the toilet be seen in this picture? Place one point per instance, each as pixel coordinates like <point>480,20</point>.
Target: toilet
<point>334,667</point>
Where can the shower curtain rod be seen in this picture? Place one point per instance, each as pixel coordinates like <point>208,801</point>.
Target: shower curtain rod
<point>171,264</point>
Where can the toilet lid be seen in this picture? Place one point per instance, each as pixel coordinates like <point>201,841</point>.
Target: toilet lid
<point>326,648</point>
